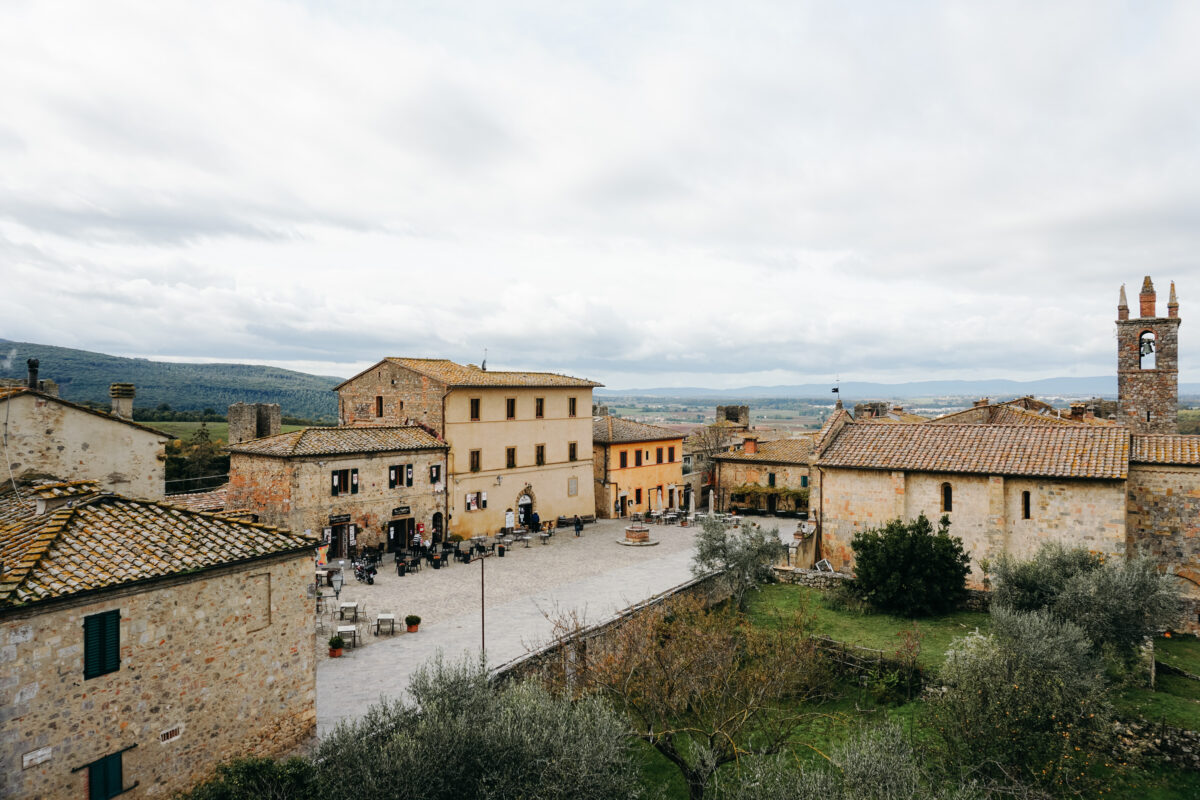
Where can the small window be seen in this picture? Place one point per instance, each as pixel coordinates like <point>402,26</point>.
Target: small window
<point>637,497</point>
<point>510,407</point>
<point>803,481</point>
<point>539,407</point>
<point>947,498</point>
<point>435,473</point>
<point>659,454</point>
<point>476,501</point>
<point>344,481</point>
<point>770,479</point>
<point>105,778</point>
<point>637,457</point>
<point>474,409</point>
<point>572,451</point>
<point>510,457</point>
<point>101,644</point>
<point>571,406</point>
<point>379,405</point>
<point>671,455</point>
<point>476,457</point>
<point>572,486</point>
<point>1025,510</point>
<point>539,455</point>
<point>624,459</point>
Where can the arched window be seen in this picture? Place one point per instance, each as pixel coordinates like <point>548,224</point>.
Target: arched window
<point>1024,505</point>
<point>1146,347</point>
<point>947,498</point>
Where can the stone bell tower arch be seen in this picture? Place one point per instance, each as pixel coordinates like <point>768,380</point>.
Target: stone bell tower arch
<point>1148,363</point>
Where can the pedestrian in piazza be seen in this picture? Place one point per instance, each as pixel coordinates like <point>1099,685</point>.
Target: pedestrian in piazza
<point>578,525</point>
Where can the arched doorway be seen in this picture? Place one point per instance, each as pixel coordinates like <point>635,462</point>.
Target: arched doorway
<point>524,509</point>
<point>437,527</point>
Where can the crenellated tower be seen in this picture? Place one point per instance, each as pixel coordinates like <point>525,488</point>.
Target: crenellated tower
<point>1148,363</point>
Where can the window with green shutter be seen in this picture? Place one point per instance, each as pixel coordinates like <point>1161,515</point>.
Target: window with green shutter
<point>105,778</point>
<point>101,643</point>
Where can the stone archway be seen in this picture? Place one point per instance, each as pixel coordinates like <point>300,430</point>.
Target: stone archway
<point>525,504</point>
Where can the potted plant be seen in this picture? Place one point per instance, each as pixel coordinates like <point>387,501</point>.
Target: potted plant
<point>412,621</point>
<point>335,646</point>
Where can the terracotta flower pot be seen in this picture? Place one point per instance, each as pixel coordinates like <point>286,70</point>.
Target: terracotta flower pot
<point>335,653</point>
<point>413,628</point>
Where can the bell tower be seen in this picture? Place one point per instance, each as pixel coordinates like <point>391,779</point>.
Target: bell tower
<point>1148,363</point>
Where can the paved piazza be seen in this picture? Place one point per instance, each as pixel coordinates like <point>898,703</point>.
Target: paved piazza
<point>593,574</point>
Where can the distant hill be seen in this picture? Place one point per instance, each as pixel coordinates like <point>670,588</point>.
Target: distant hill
<point>83,376</point>
<point>1102,386</point>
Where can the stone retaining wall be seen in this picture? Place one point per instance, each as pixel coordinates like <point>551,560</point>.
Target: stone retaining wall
<point>975,599</point>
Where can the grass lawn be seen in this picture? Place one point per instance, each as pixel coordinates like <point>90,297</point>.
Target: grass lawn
<point>216,430</point>
<point>1180,651</point>
<point>879,631</point>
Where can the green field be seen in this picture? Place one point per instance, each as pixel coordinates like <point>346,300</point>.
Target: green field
<point>216,430</point>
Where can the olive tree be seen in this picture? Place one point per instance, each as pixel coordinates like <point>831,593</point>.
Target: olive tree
<point>743,556</point>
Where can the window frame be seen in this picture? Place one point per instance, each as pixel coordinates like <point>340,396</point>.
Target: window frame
<point>624,460</point>
<point>671,455</point>
<point>475,460</point>
<point>338,487</point>
<point>637,496</point>
<point>572,451</point>
<point>104,781</point>
<point>637,457</point>
<point>659,455</point>
<point>947,493</point>
<point>474,408</point>
<point>510,458</point>
<point>378,406</point>
<point>539,455</point>
<point>1026,505</point>
<point>539,408</point>
<point>101,643</point>
<point>510,408</point>
<point>572,406</point>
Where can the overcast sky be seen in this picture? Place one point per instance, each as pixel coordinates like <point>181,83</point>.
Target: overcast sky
<point>646,194</point>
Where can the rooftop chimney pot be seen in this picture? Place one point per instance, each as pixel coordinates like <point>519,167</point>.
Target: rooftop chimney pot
<point>32,381</point>
<point>122,395</point>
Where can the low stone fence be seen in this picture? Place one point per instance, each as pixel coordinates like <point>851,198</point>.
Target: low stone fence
<point>1173,745</point>
<point>975,600</point>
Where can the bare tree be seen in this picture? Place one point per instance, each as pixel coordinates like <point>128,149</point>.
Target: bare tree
<point>703,687</point>
<point>706,442</point>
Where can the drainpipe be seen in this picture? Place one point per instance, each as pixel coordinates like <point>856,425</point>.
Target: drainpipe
<point>820,512</point>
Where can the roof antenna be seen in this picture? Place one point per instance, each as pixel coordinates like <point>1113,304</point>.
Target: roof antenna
<point>484,367</point>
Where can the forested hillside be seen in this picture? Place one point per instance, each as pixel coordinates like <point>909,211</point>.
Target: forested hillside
<point>84,376</point>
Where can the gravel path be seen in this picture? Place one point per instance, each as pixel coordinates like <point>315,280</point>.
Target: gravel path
<point>592,574</point>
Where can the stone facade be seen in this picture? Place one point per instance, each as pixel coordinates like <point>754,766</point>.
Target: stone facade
<point>295,493</point>
<point>49,436</point>
<point>1163,519</point>
<point>731,474</point>
<point>252,421</point>
<point>403,397</point>
<point>987,511</point>
<point>1148,396</point>
<point>224,657</point>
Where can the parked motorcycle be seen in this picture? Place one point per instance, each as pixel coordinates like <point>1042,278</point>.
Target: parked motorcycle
<point>364,571</point>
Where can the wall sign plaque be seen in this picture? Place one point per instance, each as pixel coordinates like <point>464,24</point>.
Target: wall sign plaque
<point>400,511</point>
<point>338,519</point>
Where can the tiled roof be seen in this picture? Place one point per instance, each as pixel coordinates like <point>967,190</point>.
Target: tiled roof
<point>469,375</point>
<point>340,440</point>
<point>106,540</point>
<point>1022,411</point>
<point>824,436</point>
<point>1165,449</point>
<point>893,415</point>
<point>780,451</point>
<point>615,430</point>
<point>13,391</point>
<point>211,500</point>
<point>1074,451</point>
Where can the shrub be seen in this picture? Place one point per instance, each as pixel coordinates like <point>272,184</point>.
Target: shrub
<point>336,643</point>
<point>1025,702</point>
<point>258,779</point>
<point>908,569</point>
<point>1117,602</point>
<point>744,556</point>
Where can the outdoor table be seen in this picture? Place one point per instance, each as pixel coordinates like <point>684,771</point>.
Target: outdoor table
<point>525,539</point>
<point>348,630</point>
<point>321,574</point>
<point>545,537</point>
<point>344,607</point>
<point>390,619</point>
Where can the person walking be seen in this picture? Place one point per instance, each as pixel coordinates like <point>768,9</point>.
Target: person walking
<point>536,521</point>
<point>578,525</point>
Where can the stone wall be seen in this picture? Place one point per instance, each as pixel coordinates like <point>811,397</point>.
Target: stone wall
<point>252,421</point>
<point>226,657</point>
<point>986,511</point>
<point>51,438</point>
<point>1163,520</point>
<point>976,599</point>
<point>733,473</point>
<point>408,398</point>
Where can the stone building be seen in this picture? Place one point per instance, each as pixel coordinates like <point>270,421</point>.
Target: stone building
<point>1014,475</point>
<point>519,441</point>
<point>46,435</point>
<point>143,644</point>
<point>352,486</point>
<point>769,477</point>
<point>252,421</point>
<point>633,463</point>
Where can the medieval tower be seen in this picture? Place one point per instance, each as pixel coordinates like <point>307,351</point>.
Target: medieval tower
<point>1148,364</point>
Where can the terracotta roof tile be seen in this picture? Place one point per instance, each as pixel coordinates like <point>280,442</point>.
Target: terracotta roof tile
<point>469,375</point>
<point>1165,449</point>
<point>106,540</point>
<point>615,430</point>
<point>13,391</point>
<point>1075,451</point>
<point>339,440</point>
<point>779,451</point>
<point>211,500</point>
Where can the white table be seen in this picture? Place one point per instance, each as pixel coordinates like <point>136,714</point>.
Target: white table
<point>390,619</point>
<point>344,607</point>
<point>348,630</point>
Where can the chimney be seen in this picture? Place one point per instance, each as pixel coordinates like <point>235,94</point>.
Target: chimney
<point>1077,411</point>
<point>1173,304</point>
<point>1147,299</point>
<point>897,409</point>
<point>32,382</point>
<point>982,402</point>
<point>750,445</point>
<point>122,399</point>
<point>1122,305</point>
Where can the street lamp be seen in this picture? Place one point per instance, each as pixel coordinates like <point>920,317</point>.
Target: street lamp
<point>337,579</point>
<point>482,631</point>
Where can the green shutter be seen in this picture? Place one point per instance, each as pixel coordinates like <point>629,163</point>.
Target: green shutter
<point>105,778</point>
<point>101,643</point>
